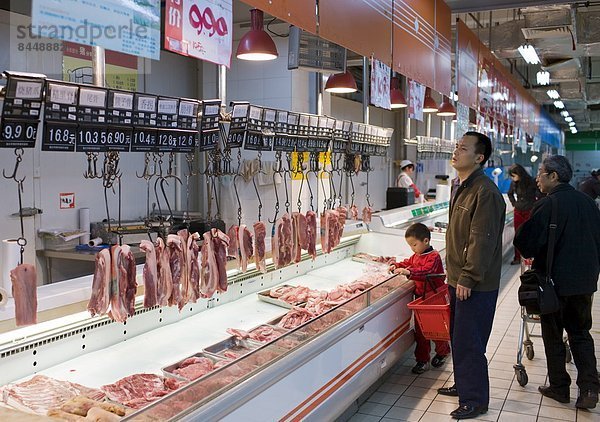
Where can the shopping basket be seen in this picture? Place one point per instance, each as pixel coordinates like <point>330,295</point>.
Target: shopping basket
<point>432,313</point>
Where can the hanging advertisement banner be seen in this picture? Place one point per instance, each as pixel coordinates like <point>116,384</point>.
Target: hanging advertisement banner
<point>380,84</point>
<point>416,96</point>
<point>200,29</point>
<point>131,27</point>
<point>467,50</point>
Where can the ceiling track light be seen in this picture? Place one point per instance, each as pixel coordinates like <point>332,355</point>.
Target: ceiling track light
<point>543,77</point>
<point>446,108</point>
<point>341,83</point>
<point>568,119</point>
<point>397,98</point>
<point>256,44</point>
<point>429,104</point>
<point>559,104</point>
<point>564,113</point>
<point>552,93</point>
<point>529,54</point>
<point>571,124</point>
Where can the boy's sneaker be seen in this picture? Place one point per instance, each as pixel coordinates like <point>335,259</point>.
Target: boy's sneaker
<point>438,361</point>
<point>420,367</point>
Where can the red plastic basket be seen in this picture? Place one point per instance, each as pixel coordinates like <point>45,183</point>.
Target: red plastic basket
<point>433,314</point>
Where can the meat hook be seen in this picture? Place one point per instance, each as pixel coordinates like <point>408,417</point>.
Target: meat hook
<point>19,153</point>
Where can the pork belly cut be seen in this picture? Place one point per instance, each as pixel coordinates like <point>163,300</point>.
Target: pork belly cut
<point>24,289</point>
<point>311,234</point>
<point>165,280</point>
<point>245,244</point>
<point>177,266</point>
<point>100,298</point>
<point>150,274</point>
<point>139,390</point>
<point>233,250</point>
<point>260,233</point>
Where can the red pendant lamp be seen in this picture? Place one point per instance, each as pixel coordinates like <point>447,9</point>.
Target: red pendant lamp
<point>446,108</point>
<point>429,104</point>
<point>256,45</point>
<point>397,99</point>
<point>341,83</point>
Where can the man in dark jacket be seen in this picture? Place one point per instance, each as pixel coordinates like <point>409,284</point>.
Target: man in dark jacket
<point>591,185</point>
<point>473,264</point>
<point>575,269</point>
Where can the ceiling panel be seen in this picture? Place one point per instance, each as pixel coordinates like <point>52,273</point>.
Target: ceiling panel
<point>462,6</point>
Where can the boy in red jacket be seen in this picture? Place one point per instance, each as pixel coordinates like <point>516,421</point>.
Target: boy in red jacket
<point>425,261</point>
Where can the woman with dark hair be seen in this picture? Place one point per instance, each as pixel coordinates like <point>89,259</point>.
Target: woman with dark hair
<point>522,195</point>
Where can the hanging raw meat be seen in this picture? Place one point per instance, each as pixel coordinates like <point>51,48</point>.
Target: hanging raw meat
<point>329,230</point>
<point>128,261</point>
<point>260,233</point>
<point>342,213</point>
<point>311,233</point>
<point>190,289</point>
<point>118,309</point>
<point>354,212</point>
<point>367,213</point>
<point>24,289</point>
<point>150,274</point>
<point>176,263</point>
<point>100,298</point>
<point>209,272</point>
<point>220,242</point>
<point>299,235</point>
<point>281,243</point>
<point>165,281</point>
<point>245,244</point>
<point>233,250</point>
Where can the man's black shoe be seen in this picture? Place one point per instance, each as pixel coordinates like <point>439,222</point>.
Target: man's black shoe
<point>468,412</point>
<point>548,391</point>
<point>587,400</point>
<point>448,391</point>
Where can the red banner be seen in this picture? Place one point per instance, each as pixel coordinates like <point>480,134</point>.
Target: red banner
<point>467,53</point>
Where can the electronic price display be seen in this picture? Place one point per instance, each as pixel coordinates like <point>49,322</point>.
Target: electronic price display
<point>60,117</point>
<point>356,138</point>
<point>269,122</point>
<point>302,139</point>
<point>21,111</point>
<point>254,135</point>
<point>282,141</point>
<point>176,140</point>
<point>292,128</point>
<point>145,134</point>
<point>188,115</point>
<point>239,122</point>
<point>341,136</point>
<point>120,107</point>
<point>92,133</point>
<point>315,142</point>
<point>209,125</point>
<point>167,114</point>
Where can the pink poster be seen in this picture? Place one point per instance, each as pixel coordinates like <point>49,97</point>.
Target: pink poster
<point>380,84</point>
<point>416,95</point>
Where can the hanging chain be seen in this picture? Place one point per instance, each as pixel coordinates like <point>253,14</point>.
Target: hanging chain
<point>367,197</point>
<point>288,172</point>
<point>21,241</point>
<point>237,196</point>
<point>260,170</point>
<point>301,171</point>
<point>275,173</point>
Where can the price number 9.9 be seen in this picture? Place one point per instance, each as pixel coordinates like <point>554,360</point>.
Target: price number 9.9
<point>24,132</point>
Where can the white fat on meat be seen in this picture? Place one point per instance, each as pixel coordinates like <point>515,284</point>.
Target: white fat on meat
<point>176,263</point>
<point>260,233</point>
<point>150,274</point>
<point>165,281</point>
<point>100,298</point>
<point>24,289</point>
<point>311,234</point>
<point>233,250</point>
<point>245,245</point>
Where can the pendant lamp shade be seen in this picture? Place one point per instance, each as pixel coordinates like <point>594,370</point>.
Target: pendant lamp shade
<point>341,83</point>
<point>429,104</point>
<point>256,44</point>
<point>446,108</point>
<point>397,99</point>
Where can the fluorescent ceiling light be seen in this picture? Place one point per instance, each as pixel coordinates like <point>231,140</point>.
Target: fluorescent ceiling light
<point>559,104</point>
<point>571,124</point>
<point>552,93</point>
<point>568,119</point>
<point>543,77</point>
<point>564,113</point>
<point>573,130</point>
<point>529,54</point>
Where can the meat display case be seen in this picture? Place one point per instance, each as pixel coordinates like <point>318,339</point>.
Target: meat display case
<point>314,371</point>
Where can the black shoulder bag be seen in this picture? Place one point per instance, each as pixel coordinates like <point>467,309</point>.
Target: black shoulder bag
<point>536,292</point>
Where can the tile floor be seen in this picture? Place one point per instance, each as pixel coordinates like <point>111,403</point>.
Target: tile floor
<point>408,397</point>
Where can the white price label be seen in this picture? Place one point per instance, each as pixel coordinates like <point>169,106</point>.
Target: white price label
<point>269,115</point>
<point>187,108</point>
<point>28,89</point>
<point>282,117</point>
<point>240,110</point>
<point>211,110</point>
<point>347,126</point>
<point>167,106</point>
<point>63,94</point>
<point>304,120</point>
<point>255,112</point>
<point>92,98</point>
<point>146,103</point>
<point>122,101</point>
<point>293,119</point>
<point>314,121</point>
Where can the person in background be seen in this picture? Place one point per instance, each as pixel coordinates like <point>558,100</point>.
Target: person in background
<point>473,266</point>
<point>591,185</point>
<point>423,262</point>
<point>575,270</point>
<point>522,195</point>
<point>404,180</point>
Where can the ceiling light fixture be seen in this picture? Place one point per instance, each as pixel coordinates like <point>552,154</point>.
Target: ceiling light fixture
<point>564,113</point>
<point>552,93</point>
<point>529,54</point>
<point>446,108</point>
<point>341,83</point>
<point>571,124</point>
<point>397,99</point>
<point>568,119</point>
<point>256,44</point>
<point>559,104</point>
<point>573,130</point>
<point>429,104</point>
<point>543,77</point>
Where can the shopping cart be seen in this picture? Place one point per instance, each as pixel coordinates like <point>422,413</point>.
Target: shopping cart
<point>525,335</point>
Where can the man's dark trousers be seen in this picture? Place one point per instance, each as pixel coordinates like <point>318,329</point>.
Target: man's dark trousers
<point>470,327</point>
